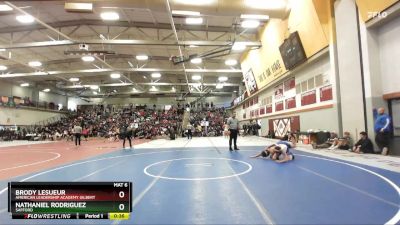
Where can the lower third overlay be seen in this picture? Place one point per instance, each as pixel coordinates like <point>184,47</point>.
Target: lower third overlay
<point>70,200</point>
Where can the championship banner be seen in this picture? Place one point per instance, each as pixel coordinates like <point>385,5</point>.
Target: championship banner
<point>325,93</point>
<point>250,81</point>
<point>279,92</point>
<point>308,98</point>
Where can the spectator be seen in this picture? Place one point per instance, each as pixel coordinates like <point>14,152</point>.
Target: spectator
<point>383,131</point>
<point>364,145</point>
<point>328,143</point>
<point>343,143</point>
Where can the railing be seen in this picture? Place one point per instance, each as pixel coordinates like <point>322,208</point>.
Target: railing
<point>16,102</point>
<point>50,120</point>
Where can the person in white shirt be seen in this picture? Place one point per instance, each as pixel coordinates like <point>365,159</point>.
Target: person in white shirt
<point>233,125</point>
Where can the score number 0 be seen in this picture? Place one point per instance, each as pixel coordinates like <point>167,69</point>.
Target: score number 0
<point>121,194</point>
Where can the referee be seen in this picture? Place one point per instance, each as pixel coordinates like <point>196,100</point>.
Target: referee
<point>77,132</point>
<point>233,125</point>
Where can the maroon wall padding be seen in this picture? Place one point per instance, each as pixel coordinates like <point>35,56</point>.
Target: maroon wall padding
<point>262,110</point>
<point>268,109</point>
<point>308,98</point>
<point>271,125</point>
<point>325,93</point>
<point>295,123</point>
<point>290,103</point>
<point>279,106</point>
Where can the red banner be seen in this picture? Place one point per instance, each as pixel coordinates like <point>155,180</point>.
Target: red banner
<point>279,106</point>
<point>308,98</point>
<point>325,93</point>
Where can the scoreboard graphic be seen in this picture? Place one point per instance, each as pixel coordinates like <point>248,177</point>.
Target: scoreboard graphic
<point>70,200</point>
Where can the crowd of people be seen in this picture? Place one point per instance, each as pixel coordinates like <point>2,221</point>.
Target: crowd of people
<point>113,124</point>
<point>206,122</point>
<point>144,122</point>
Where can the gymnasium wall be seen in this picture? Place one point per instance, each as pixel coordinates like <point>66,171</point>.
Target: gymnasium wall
<point>389,55</point>
<point>313,116</point>
<point>266,62</point>
<point>14,116</point>
<point>366,7</point>
<point>50,97</point>
<point>9,89</point>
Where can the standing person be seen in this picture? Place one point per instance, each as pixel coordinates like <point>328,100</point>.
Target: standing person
<point>383,131</point>
<point>124,134</point>
<point>129,134</point>
<point>233,124</point>
<point>77,132</point>
<point>85,133</point>
<point>189,131</point>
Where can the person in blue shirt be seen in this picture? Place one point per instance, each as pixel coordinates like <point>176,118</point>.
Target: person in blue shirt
<point>383,131</point>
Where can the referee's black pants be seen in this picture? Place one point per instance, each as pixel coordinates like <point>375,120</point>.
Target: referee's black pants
<point>77,139</point>
<point>233,136</point>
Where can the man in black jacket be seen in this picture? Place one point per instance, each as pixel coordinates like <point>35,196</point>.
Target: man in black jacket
<point>364,145</point>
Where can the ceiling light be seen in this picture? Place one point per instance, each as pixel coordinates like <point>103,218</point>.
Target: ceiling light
<point>156,75</point>
<point>194,20</point>
<point>46,90</point>
<point>237,46</point>
<point>230,62</point>
<point>3,68</point>
<point>35,63</point>
<point>193,46</point>
<point>153,88</point>
<point>142,57</point>
<point>173,89</point>
<point>134,90</point>
<point>271,5</point>
<point>95,92</point>
<point>2,49</point>
<point>109,16</point>
<point>197,85</point>
<point>250,24</point>
<point>219,86</point>
<point>78,7</point>
<point>196,77</point>
<point>25,19</point>
<point>88,58</point>
<point>254,17</point>
<point>235,91</point>
<point>73,79</point>
<point>222,79</point>
<point>185,13</point>
<point>24,85</point>
<point>4,8</point>
<point>94,87</point>
<point>195,2</point>
<point>196,60</point>
<point>115,75</point>
<point>115,91</point>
